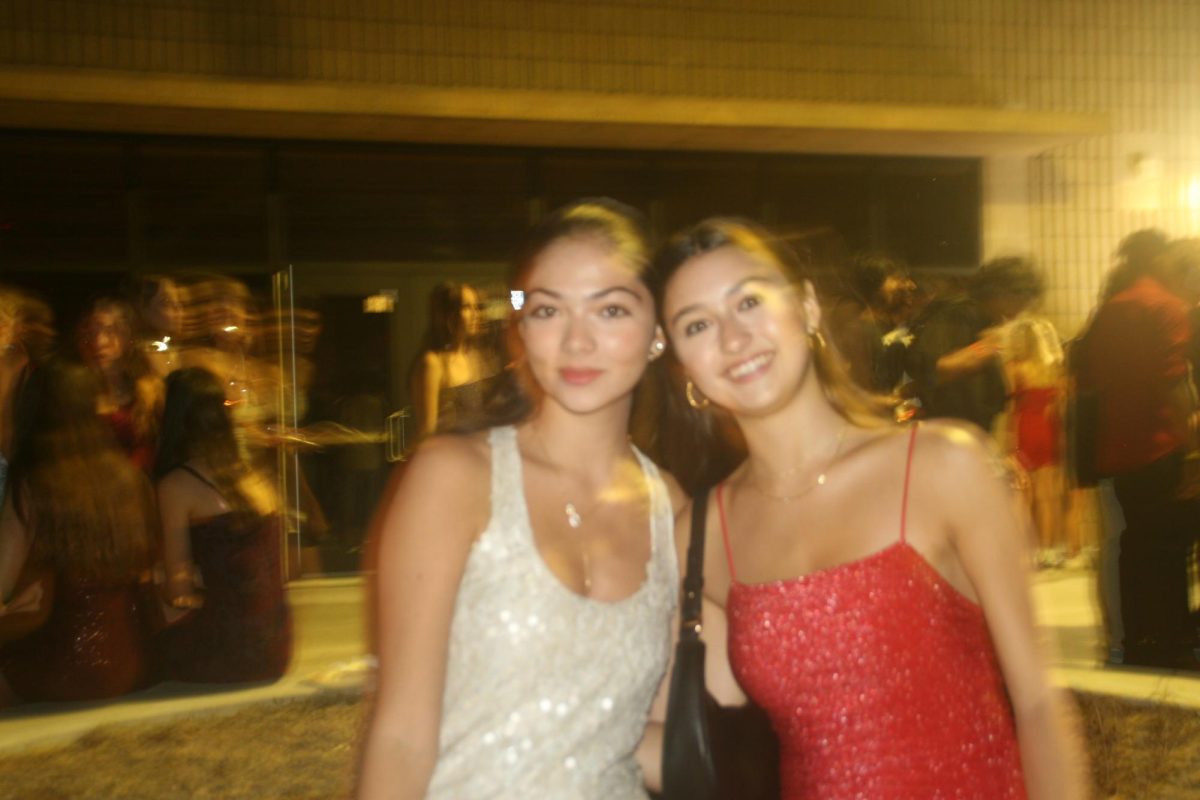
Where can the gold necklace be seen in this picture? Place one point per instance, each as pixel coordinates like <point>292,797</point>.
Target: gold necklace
<point>821,479</point>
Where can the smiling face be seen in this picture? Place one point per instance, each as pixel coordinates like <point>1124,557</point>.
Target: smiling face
<point>740,329</point>
<point>587,325</point>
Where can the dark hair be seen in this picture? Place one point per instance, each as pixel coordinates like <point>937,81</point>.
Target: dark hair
<point>1138,253</point>
<point>197,425</point>
<point>703,446</point>
<point>446,328</point>
<point>620,228</point>
<point>88,509</point>
<point>867,273</point>
<point>1010,276</point>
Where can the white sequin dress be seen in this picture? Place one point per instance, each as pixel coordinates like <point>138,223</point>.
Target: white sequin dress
<point>547,692</point>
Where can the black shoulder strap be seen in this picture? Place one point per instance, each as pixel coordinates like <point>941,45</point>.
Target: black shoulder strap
<point>198,476</point>
<point>693,580</point>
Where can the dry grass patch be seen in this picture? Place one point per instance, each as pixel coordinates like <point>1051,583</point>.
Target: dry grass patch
<point>304,750</point>
<point>299,750</point>
<point>1140,751</point>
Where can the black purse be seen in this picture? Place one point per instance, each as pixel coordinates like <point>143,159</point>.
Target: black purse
<point>710,752</point>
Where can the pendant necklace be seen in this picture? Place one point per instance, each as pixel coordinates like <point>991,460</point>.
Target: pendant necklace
<point>820,480</point>
<point>574,521</point>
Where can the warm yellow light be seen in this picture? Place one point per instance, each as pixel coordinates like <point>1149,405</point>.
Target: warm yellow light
<point>1192,194</point>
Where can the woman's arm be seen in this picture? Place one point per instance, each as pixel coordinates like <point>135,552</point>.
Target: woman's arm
<point>988,529</point>
<point>14,549</point>
<point>431,388</point>
<point>26,593</point>
<point>427,526</point>
<point>179,589</point>
<point>966,361</point>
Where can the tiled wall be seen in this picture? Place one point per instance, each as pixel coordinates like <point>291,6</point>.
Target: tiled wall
<point>1136,59</point>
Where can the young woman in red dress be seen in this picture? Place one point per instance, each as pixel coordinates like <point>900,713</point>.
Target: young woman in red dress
<point>873,582</point>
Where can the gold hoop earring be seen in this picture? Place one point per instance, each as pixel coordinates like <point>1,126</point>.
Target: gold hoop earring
<point>691,392</point>
<point>816,339</point>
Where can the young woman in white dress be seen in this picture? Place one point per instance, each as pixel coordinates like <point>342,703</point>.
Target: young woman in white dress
<point>527,574</point>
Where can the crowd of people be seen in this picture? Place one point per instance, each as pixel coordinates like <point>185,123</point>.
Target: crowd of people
<point>877,459</point>
<point>139,533</point>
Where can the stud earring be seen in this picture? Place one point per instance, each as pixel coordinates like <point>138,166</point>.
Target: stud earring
<point>656,350</point>
<point>691,392</point>
<point>816,339</point>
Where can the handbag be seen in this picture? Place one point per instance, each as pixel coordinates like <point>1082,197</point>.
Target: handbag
<point>710,752</point>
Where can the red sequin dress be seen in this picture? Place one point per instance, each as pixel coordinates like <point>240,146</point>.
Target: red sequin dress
<point>879,677</point>
<point>91,647</point>
<point>243,632</point>
<point>1035,418</point>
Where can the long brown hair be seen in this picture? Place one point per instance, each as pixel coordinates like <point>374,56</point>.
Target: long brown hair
<point>619,227</point>
<point>89,511</point>
<point>701,446</point>
<point>197,425</point>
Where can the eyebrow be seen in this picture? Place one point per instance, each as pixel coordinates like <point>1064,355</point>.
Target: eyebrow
<point>730,291</point>
<point>593,296</point>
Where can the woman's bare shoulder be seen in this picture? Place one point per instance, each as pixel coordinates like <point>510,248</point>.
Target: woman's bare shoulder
<point>956,443</point>
<point>453,451</point>
<point>961,466</point>
<point>447,472</point>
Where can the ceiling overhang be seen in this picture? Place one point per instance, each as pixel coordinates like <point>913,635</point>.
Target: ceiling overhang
<point>123,102</point>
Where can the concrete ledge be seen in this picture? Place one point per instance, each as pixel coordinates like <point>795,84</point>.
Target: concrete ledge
<point>162,103</point>
<point>328,617</point>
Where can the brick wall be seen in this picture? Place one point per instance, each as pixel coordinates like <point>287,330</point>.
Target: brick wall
<point>1138,60</point>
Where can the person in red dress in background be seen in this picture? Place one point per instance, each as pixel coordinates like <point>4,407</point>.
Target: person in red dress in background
<point>228,617</point>
<point>873,580</point>
<point>1035,371</point>
<point>76,536</point>
<point>131,396</point>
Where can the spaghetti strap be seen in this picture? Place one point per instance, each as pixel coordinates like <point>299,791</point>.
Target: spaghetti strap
<point>725,530</point>
<point>196,474</point>
<point>912,440</point>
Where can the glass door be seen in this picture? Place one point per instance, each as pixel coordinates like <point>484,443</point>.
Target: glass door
<point>349,335</point>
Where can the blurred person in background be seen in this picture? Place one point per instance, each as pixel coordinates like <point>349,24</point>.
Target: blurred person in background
<point>26,334</point>
<point>954,357</point>
<point>872,333</point>
<point>1032,431</point>
<point>77,536</point>
<point>158,303</point>
<point>224,334</point>
<point>449,381</point>
<point>224,603</point>
<point>1132,369</point>
<point>131,391</point>
<point>220,330</point>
